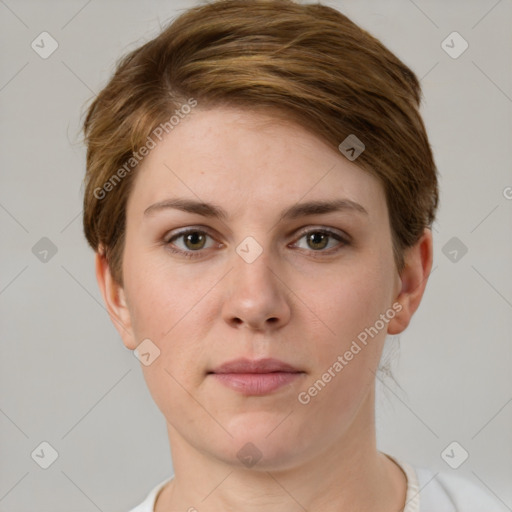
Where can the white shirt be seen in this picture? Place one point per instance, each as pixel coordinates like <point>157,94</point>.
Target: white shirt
<point>426,492</point>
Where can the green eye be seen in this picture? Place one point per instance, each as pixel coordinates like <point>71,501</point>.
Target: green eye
<point>318,239</point>
<point>193,240</point>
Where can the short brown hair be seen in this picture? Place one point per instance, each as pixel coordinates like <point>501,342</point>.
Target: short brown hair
<point>307,62</point>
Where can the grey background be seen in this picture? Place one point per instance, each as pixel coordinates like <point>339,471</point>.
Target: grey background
<point>65,376</point>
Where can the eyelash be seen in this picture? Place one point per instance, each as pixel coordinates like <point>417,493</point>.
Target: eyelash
<point>194,254</point>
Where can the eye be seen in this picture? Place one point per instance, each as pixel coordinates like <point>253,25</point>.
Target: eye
<point>318,239</point>
<point>194,240</point>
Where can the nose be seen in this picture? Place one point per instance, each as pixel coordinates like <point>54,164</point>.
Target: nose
<point>257,295</point>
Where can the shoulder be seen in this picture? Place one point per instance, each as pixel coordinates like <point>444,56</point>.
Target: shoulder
<point>148,505</point>
<point>442,491</point>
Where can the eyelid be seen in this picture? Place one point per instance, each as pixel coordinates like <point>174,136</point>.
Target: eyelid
<point>345,237</point>
<point>342,237</point>
<point>301,232</point>
<point>184,231</point>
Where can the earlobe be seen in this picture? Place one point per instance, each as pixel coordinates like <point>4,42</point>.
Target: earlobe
<point>414,277</point>
<point>115,301</point>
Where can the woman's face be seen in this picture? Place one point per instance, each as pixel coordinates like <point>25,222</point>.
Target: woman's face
<point>305,288</point>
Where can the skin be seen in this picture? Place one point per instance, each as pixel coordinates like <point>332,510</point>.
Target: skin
<point>299,302</point>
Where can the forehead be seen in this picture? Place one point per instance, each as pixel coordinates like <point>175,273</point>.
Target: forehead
<point>244,159</point>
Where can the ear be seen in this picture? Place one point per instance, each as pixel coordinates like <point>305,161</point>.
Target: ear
<point>418,264</point>
<point>115,301</point>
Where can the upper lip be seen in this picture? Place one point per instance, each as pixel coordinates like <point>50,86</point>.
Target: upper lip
<point>244,365</point>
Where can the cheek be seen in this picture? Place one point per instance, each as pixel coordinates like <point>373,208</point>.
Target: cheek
<point>352,301</point>
<point>156,300</point>
<point>351,306</point>
<point>345,362</point>
<point>172,313</point>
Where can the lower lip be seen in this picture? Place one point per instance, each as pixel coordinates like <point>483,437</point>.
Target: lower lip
<point>256,383</point>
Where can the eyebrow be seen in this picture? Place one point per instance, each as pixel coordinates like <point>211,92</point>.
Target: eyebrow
<point>293,212</point>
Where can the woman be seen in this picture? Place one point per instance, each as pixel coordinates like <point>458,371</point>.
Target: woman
<point>260,192</point>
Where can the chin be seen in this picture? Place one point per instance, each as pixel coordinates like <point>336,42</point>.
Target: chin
<point>261,444</point>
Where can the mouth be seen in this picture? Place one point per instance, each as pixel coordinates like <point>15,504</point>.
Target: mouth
<point>256,377</point>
